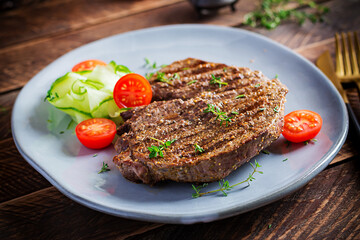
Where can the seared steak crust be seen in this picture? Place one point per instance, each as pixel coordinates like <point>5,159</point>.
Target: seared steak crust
<point>191,77</point>
<point>256,121</point>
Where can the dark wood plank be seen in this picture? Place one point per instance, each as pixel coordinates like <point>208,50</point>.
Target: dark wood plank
<point>23,61</point>
<point>6,105</point>
<point>54,17</point>
<point>326,208</point>
<point>17,177</point>
<point>47,214</point>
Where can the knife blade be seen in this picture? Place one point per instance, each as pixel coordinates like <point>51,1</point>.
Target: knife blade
<point>325,64</point>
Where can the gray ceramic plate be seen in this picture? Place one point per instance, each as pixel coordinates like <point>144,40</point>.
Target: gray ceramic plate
<point>70,167</point>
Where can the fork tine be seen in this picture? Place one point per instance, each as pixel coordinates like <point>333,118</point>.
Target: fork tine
<point>354,62</point>
<point>357,47</point>
<point>339,58</point>
<point>346,55</point>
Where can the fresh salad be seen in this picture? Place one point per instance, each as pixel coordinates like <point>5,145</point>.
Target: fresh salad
<point>96,90</point>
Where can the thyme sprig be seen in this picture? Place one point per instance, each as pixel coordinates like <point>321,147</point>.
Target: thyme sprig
<point>104,168</point>
<point>219,114</point>
<point>271,13</point>
<point>217,80</point>
<point>224,185</point>
<point>158,150</point>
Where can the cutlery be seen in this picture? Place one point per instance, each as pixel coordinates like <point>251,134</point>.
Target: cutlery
<point>324,62</point>
<point>347,57</point>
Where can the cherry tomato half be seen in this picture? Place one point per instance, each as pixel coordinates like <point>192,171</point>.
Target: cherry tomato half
<point>301,125</point>
<point>87,65</point>
<point>132,90</point>
<point>96,133</point>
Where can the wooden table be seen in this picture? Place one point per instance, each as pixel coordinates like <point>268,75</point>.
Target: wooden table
<point>33,36</point>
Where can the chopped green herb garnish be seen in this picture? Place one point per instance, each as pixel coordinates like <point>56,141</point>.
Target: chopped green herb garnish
<point>224,185</point>
<point>271,13</point>
<point>276,109</point>
<point>219,114</point>
<point>262,109</point>
<point>149,75</point>
<point>257,85</point>
<point>217,80</point>
<point>265,152</point>
<point>225,69</point>
<point>240,96</point>
<point>311,140</point>
<point>95,155</point>
<point>161,77</point>
<point>285,160</point>
<point>147,61</point>
<point>269,226</point>
<point>158,150</point>
<point>184,69</point>
<point>198,148</point>
<point>191,82</point>
<point>104,168</point>
<point>276,76</point>
<point>236,113</point>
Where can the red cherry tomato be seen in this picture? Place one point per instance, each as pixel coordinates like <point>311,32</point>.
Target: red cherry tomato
<point>87,65</point>
<point>132,90</point>
<point>301,125</point>
<point>96,133</point>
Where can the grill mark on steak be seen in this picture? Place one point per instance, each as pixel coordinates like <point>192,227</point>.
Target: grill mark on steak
<point>226,147</point>
<point>201,71</point>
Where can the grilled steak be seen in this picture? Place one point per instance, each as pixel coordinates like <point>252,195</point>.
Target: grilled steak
<point>188,78</point>
<point>231,125</point>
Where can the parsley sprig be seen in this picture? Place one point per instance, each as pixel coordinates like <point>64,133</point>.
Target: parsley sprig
<point>224,185</point>
<point>271,13</point>
<point>158,150</point>
<point>219,114</point>
<point>217,80</point>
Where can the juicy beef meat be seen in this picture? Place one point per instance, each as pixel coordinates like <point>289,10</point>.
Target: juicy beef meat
<point>252,112</point>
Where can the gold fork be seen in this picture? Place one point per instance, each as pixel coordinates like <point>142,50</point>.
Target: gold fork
<point>348,57</point>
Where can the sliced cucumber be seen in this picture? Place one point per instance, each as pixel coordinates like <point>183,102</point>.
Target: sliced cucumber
<point>88,94</point>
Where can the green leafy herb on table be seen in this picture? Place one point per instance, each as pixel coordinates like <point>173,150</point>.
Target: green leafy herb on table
<point>271,13</point>
<point>224,185</point>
